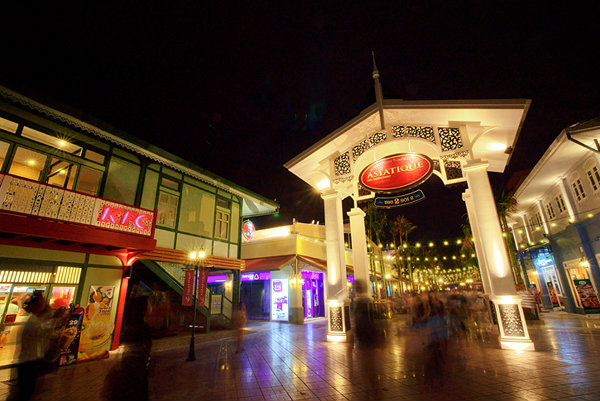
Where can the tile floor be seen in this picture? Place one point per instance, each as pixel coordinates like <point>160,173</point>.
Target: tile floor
<point>288,362</point>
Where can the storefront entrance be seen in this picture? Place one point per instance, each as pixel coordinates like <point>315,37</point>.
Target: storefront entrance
<point>312,294</point>
<point>255,294</point>
<point>586,296</point>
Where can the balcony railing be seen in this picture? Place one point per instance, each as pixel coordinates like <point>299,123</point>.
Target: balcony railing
<point>32,198</point>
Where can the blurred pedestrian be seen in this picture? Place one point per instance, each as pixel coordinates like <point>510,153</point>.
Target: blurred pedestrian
<point>128,377</point>
<point>369,338</point>
<point>35,342</point>
<point>238,321</point>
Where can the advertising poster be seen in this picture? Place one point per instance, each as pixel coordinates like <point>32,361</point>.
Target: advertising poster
<point>202,277</point>
<point>279,299</point>
<point>68,339</point>
<point>188,288</point>
<point>586,292</point>
<point>552,293</point>
<point>96,329</point>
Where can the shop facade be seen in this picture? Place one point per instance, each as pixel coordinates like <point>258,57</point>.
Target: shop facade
<point>557,221</point>
<point>286,269</point>
<point>88,212</point>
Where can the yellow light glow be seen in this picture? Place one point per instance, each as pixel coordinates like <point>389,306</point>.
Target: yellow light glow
<point>62,143</point>
<point>590,215</point>
<point>388,276</point>
<point>458,241</point>
<point>537,229</point>
<point>324,183</point>
<point>278,232</point>
<point>445,242</point>
<point>553,224</point>
<point>497,146</point>
<point>405,246</point>
<point>430,244</point>
<point>418,245</point>
<point>31,162</point>
<point>504,234</point>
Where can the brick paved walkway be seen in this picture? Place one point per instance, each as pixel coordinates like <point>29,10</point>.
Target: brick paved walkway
<point>288,362</point>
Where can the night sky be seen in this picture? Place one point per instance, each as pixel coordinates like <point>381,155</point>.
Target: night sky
<point>241,89</point>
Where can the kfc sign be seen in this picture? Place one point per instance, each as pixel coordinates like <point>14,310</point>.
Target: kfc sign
<point>396,172</point>
<point>120,217</point>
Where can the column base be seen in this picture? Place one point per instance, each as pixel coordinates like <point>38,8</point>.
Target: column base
<point>338,328</point>
<point>517,345</point>
<point>511,323</point>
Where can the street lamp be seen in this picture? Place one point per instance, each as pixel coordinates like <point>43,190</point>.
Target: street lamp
<point>197,258</point>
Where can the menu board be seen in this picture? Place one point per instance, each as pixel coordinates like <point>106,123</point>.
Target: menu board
<point>279,299</point>
<point>586,292</point>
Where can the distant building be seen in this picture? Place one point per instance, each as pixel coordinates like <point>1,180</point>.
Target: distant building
<point>292,260</point>
<point>556,226</point>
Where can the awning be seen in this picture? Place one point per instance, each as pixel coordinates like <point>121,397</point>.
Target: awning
<point>322,264</point>
<point>269,263</point>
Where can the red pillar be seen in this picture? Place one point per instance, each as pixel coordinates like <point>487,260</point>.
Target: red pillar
<point>121,306</point>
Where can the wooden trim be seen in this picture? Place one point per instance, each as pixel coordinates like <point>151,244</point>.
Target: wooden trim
<point>179,256</point>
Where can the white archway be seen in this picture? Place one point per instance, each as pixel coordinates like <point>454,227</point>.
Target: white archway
<point>465,140</point>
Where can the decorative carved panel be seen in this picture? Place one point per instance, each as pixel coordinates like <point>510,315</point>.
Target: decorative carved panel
<point>450,138</point>
<point>335,319</point>
<point>377,138</point>
<point>341,164</point>
<point>359,149</point>
<point>453,169</point>
<point>511,320</point>
<point>421,132</point>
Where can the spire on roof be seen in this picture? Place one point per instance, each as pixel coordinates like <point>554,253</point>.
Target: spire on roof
<point>378,92</point>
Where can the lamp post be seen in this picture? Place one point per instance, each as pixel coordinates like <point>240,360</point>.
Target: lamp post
<point>197,258</point>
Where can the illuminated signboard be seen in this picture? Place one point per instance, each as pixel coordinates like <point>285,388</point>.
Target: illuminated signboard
<point>279,299</point>
<point>350,279</point>
<point>47,201</point>
<point>262,276</point>
<point>217,278</point>
<point>403,170</point>
<point>248,229</point>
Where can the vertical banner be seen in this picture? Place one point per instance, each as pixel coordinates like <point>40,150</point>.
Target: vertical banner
<point>94,340</point>
<point>188,288</point>
<point>202,278</point>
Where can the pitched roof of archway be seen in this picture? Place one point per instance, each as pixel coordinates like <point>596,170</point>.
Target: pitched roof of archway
<point>449,130</point>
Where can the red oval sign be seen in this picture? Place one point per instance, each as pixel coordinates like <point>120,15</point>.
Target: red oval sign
<point>397,171</point>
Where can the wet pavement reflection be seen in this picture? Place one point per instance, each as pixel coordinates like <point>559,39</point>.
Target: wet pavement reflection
<point>290,362</point>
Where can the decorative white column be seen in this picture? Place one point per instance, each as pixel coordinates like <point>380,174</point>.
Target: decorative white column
<point>507,303</point>
<point>568,198</point>
<point>544,217</point>
<point>526,228</point>
<point>338,304</point>
<point>359,252</point>
<point>483,269</point>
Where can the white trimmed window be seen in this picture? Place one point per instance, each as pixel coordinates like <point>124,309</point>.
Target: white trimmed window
<point>578,190</point>
<point>560,203</point>
<point>550,210</point>
<point>594,177</point>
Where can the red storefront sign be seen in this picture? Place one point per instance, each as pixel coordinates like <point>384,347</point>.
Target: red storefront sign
<point>396,172</point>
<point>188,288</point>
<point>202,278</point>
